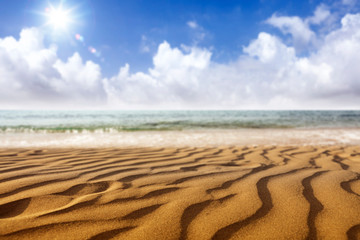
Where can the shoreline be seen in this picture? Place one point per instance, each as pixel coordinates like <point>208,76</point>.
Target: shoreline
<point>186,138</point>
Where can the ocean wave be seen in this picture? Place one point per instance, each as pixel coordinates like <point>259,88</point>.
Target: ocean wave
<point>154,126</point>
<point>131,121</point>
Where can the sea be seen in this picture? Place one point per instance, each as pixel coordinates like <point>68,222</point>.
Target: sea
<point>115,121</point>
<point>166,128</point>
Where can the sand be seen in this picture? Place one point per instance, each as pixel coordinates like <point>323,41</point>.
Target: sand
<point>270,192</point>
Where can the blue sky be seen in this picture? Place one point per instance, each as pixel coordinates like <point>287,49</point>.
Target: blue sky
<point>220,33</point>
<point>121,29</point>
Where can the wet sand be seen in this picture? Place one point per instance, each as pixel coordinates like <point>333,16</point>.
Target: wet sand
<point>270,192</point>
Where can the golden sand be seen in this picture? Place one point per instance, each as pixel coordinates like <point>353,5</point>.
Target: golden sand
<point>272,192</point>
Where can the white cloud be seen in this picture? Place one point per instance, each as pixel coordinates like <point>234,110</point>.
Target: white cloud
<point>268,48</point>
<point>31,74</point>
<point>320,15</point>
<point>300,29</point>
<point>268,75</point>
<point>144,46</point>
<point>198,32</point>
<point>79,80</point>
<point>174,79</point>
<point>192,24</point>
<point>296,27</point>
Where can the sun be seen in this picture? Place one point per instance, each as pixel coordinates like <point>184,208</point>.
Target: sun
<point>58,17</point>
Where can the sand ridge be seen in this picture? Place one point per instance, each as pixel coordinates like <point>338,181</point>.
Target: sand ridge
<point>268,192</point>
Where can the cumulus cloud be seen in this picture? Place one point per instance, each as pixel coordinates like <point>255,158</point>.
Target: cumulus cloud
<point>268,48</point>
<point>32,74</point>
<point>300,29</point>
<point>173,80</point>
<point>328,77</point>
<point>268,75</point>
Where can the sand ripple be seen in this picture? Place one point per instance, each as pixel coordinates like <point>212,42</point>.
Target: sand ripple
<point>274,192</point>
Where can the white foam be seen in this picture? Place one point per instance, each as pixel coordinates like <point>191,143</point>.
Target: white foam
<point>184,138</point>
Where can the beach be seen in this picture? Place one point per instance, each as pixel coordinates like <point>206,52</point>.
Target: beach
<point>224,192</point>
<point>179,175</point>
<point>179,120</point>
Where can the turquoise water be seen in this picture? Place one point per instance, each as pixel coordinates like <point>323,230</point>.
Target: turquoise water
<point>118,121</point>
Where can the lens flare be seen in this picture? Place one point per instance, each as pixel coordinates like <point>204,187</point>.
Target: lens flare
<point>79,37</point>
<point>58,17</point>
<point>92,50</point>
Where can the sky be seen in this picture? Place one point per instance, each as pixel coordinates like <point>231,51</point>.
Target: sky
<point>137,54</point>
